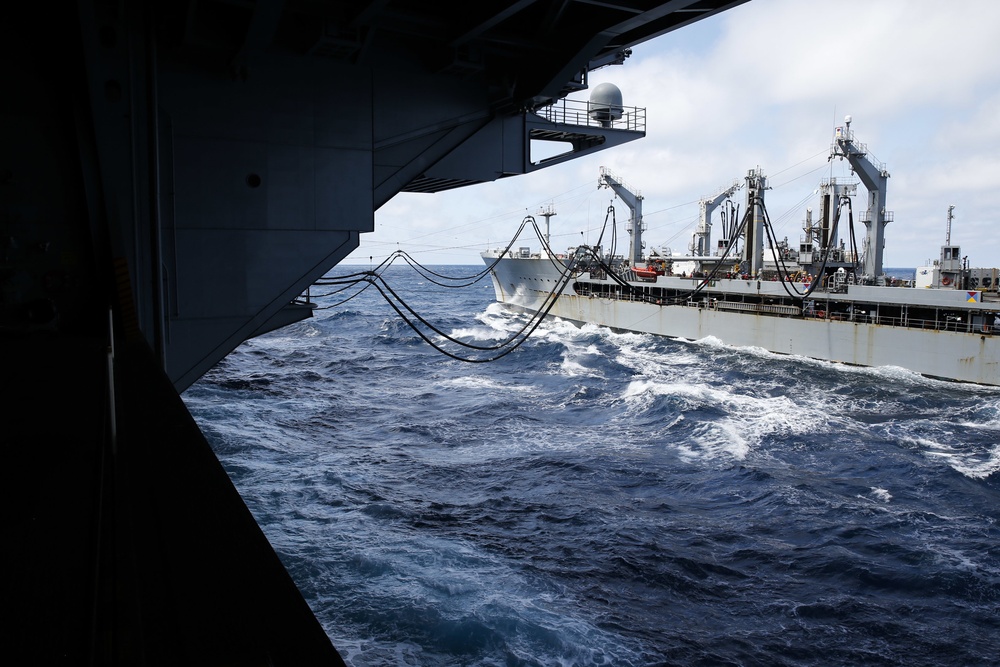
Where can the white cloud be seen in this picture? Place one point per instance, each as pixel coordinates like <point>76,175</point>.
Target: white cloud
<point>764,84</point>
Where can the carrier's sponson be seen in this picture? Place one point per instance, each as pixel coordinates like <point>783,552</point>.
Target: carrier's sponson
<point>940,333</point>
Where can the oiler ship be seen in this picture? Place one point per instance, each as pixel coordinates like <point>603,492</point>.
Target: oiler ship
<point>827,299</point>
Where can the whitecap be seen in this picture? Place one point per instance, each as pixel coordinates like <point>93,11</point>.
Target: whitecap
<point>747,421</point>
<point>971,464</point>
<point>485,383</point>
<point>716,440</point>
<point>977,468</point>
<point>881,494</point>
<point>479,333</point>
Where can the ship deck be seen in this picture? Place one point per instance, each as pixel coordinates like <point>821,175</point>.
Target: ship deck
<point>894,306</point>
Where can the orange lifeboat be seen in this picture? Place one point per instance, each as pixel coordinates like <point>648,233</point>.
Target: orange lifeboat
<point>645,273</point>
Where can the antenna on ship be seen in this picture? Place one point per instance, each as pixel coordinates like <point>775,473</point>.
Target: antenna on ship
<point>947,234</point>
<point>547,212</point>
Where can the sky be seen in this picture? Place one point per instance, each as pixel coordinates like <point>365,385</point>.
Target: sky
<point>764,85</point>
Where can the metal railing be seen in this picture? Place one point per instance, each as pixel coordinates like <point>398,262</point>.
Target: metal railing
<point>959,326</point>
<point>578,112</point>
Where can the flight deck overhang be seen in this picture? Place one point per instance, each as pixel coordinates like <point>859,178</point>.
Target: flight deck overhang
<point>530,141</point>
<point>242,148</point>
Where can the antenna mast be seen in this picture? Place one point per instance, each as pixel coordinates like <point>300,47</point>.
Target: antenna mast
<point>947,236</point>
<point>547,212</point>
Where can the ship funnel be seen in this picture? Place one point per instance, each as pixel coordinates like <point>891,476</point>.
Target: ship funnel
<point>605,105</point>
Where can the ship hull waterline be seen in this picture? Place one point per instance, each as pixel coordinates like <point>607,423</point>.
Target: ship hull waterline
<point>950,355</point>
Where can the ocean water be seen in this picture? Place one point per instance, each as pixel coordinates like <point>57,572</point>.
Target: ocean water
<point>603,498</point>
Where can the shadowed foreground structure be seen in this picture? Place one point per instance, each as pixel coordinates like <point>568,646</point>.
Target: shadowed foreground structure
<point>172,176</point>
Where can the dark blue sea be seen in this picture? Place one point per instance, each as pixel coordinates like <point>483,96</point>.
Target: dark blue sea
<point>603,498</point>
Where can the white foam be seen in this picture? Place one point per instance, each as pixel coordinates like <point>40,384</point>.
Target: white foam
<point>484,382</point>
<point>581,360</point>
<point>959,559</point>
<point>497,322</point>
<point>881,494</point>
<point>571,368</point>
<point>971,464</point>
<point>479,333</point>
<point>715,440</point>
<point>748,419</point>
<point>978,468</point>
<point>497,309</point>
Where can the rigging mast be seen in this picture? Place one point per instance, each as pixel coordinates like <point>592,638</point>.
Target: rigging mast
<point>701,244</point>
<point>875,179</point>
<point>753,248</point>
<point>633,200</point>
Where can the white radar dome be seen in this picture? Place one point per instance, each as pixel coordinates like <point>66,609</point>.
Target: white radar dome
<point>605,104</point>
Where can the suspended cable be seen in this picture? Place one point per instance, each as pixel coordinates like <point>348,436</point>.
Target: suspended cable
<point>783,273</point>
<point>430,274</point>
<point>343,301</point>
<point>586,258</point>
<point>413,319</point>
<point>506,347</point>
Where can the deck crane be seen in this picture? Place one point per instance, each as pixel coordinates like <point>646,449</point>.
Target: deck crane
<point>875,178</point>
<point>753,232</point>
<point>701,242</point>
<point>633,200</point>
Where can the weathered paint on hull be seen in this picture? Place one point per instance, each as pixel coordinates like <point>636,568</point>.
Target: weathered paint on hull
<point>945,354</point>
